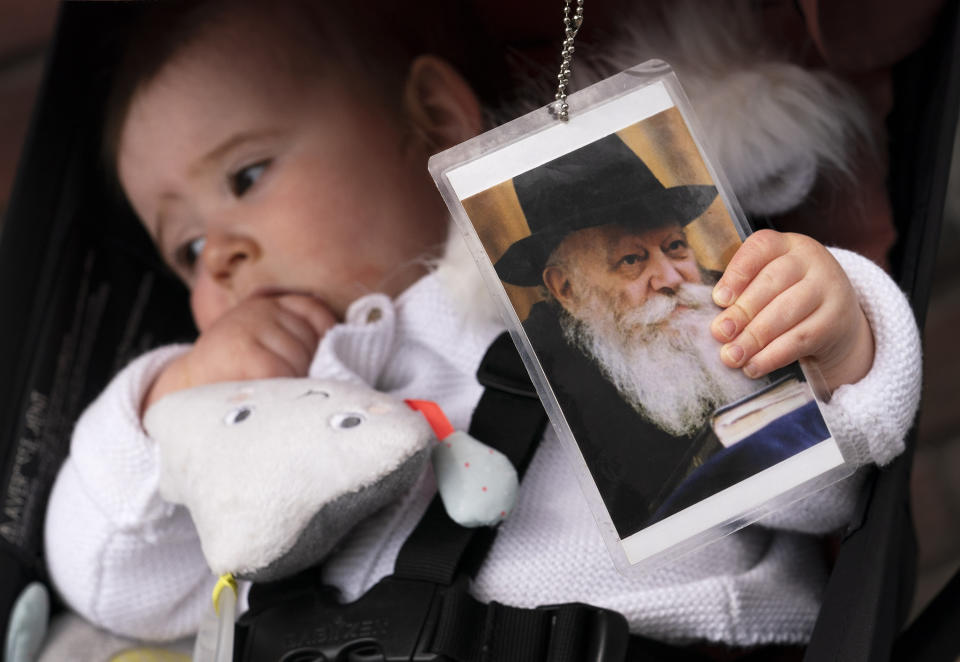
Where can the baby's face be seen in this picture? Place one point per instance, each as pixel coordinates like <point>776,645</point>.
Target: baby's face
<point>255,180</point>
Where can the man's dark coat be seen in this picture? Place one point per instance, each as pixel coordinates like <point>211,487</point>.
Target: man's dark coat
<point>639,469</point>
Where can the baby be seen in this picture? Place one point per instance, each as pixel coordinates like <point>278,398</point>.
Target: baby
<point>277,156</point>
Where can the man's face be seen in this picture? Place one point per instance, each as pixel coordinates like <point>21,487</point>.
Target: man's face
<point>636,305</point>
<point>625,265</point>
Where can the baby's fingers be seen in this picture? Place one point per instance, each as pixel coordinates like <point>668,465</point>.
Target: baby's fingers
<point>281,352</point>
<point>777,336</point>
<point>757,251</point>
<point>796,343</point>
<point>773,280</point>
<point>311,309</point>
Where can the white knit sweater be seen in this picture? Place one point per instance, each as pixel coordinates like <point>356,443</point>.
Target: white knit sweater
<point>130,562</point>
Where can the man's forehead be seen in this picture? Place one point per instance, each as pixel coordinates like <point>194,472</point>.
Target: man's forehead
<point>644,233</point>
<point>612,235</point>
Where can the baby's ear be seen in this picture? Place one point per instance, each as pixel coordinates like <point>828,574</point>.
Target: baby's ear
<point>440,104</point>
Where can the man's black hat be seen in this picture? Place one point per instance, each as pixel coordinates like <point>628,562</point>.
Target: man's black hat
<point>599,184</point>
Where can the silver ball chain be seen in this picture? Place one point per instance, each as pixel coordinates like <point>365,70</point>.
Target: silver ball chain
<point>570,28</point>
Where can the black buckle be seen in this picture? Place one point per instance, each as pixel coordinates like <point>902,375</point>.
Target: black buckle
<point>392,622</point>
<point>605,633</point>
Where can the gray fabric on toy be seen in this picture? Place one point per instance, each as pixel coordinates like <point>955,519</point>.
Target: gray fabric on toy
<point>275,472</point>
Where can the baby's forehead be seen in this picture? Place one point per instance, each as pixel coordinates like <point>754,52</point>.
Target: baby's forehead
<point>302,35</point>
<point>275,53</point>
<point>250,36</point>
<point>248,62</point>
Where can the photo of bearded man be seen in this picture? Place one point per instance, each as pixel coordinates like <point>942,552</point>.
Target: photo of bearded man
<point>622,330</point>
<point>635,301</point>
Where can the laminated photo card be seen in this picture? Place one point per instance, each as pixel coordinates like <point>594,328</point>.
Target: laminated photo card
<point>601,238</point>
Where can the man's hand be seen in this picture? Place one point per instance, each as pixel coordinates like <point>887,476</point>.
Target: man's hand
<point>262,337</point>
<point>787,298</point>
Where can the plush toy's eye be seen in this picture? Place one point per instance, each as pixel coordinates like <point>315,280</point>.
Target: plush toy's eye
<point>238,415</point>
<point>346,421</point>
<point>317,392</point>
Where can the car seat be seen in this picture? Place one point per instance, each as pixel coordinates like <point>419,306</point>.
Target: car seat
<point>83,293</point>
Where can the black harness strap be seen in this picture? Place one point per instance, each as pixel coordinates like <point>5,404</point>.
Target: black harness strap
<point>508,417</point>
<point>471,631</point>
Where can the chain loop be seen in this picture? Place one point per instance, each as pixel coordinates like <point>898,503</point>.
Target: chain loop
<point>570,28</point>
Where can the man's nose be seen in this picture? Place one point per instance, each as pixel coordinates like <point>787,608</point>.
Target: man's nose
<point>663,273</point>
<point>223,254</point>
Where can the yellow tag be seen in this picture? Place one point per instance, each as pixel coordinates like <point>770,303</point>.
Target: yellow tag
<point>223,582</point>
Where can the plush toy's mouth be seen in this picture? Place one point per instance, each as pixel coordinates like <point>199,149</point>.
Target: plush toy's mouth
<point>314,391</point>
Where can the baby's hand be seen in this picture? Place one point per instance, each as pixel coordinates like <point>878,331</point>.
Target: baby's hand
<point>787,298</point>
<point>262,337</point>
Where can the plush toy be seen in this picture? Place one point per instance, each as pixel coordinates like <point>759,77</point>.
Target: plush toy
<point>274,472</point>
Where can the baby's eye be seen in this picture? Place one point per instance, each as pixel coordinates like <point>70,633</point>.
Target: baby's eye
<point>244,178</point>
<point>188,253</point>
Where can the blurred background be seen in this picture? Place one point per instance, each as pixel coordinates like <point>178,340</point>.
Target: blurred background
<point>26,27</point>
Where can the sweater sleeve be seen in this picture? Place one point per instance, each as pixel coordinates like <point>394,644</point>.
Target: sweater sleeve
<point>875,414</point>
<point>872,416</point>
<point>117,553</point>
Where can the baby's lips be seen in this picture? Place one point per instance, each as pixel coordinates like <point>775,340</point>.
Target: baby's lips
<point>277,292</point>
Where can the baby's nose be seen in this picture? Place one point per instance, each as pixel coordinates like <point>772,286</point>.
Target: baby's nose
<point>223,254</point>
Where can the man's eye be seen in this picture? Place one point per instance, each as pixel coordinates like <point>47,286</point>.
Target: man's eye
<point>631,259</point>
<point>189,252</point>
<point>676,247</point>
<point>241,181</point>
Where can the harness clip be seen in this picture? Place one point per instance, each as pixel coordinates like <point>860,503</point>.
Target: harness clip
<point>392,622</point>
<point>601,635</point>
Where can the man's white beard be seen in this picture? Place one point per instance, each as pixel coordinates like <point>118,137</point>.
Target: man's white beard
<point>664,362</point>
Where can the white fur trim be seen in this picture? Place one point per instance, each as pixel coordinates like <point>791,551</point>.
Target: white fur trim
<point>771,125</point>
